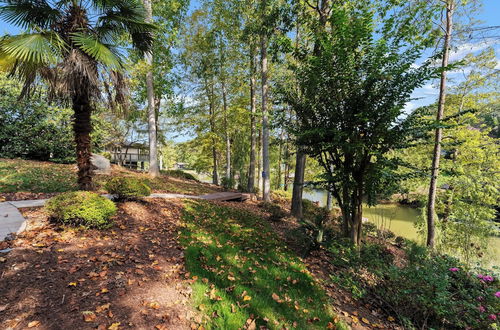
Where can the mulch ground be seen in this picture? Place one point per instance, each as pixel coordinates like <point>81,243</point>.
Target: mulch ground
<point>130,276</point>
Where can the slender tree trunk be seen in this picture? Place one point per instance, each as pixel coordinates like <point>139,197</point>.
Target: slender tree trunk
<point>329,200</point>
<point>298,184</point>
<point>154,171</point>
<point>431,203</point>
<point>82,127</point>
<point>228,140</point>
<point>253,110</point>
<point>259,162</point>
<point>266,184</point>
<point>280,161</point>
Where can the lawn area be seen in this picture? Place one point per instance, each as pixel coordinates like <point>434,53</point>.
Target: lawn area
<point>245,275</point>
<point>33,177</point>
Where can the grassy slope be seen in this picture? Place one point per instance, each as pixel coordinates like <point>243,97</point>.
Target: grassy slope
<point>17,175</point>
<point>243,272</point>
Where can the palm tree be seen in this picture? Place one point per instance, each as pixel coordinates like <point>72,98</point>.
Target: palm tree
<point>74,46</point>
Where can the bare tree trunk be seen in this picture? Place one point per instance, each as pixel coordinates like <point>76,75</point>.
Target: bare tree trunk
<point>228,140</point>
<point>431,203</point>
<point>280,161</point>
<point>82,127</point>
<point>253,109</point>
<point>259,161</point>
<point>298,184</point>
<point>329,200</point>
<point>266,184</point>
<point>154,171</point>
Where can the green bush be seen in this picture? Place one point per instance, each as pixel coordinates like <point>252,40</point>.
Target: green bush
<point>436,292</point>
<point>81,208</point>
<point>179,175</point>
<point>127,188</point>
<point>276,213</point>
<point>281,196</point>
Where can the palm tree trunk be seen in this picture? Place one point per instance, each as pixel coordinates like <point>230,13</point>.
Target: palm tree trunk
<point>253,138</point>
<point>298,184</point>
<point>431,203</point>
<point>154,171</point>
<point>82,127</point>
<point>266,184</point>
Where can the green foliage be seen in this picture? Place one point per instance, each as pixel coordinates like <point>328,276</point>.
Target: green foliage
<point>34,129</point>
<point>276,213</point>
<point>355,81</point>
<point>243,269</point>
<point>81,208</point>
<point>127,188</point>
<point>179,174</point>
<point>281,196</point>
<point>436,291</point>
<point>425,291</point>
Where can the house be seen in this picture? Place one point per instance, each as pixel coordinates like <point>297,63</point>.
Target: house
<point>133,155</point>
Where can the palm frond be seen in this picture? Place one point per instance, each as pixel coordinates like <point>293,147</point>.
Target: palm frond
<point>43,47</point>
<point>102,53</point>
<point>127,16</point>
<point>28,13</point>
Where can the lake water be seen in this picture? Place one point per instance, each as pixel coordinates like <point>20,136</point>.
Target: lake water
<point>401,221</point>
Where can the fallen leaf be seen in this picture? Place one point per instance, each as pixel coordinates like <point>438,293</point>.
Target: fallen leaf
<point>355,319</point>
<point>391,319</point>
<point>365,320</point>
<point>246,298</point>
<point>88,316</point>
<point>114,326</point>
<point>161,327</point>
<point>154,305</point>
<point>102,308</point>
<point>33,324</point>
<point>72,284</point>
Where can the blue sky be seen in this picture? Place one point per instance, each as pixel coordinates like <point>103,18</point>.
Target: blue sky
<point>490,16</point>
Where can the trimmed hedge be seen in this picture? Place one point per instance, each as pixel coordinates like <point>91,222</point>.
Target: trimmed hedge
<point>127,188</point>
<point>81,208</point>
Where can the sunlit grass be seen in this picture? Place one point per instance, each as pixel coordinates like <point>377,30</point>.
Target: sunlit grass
<point>243,273</point>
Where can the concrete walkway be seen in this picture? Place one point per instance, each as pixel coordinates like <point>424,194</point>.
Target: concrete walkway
<point>12,221</point>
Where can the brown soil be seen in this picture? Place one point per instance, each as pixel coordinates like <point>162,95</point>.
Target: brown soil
<point>130,276</point>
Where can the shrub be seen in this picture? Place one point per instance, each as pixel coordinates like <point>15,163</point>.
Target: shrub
<point>179,175</point>
<point>81,208</point>
<point>436,292</point>
<point>276,213</point>
<point>281,196</point>
<point>127,188</point>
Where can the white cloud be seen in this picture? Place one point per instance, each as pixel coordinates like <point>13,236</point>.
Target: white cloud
<point>464,49</point>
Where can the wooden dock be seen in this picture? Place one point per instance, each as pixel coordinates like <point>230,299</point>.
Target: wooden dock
<point>227,196</point>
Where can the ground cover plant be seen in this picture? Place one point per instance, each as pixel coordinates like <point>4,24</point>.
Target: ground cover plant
<point>26,179</point>
<point>244,275</point>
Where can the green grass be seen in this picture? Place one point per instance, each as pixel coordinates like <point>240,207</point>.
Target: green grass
<point>242,270</point>
<point>21,175</point>
<point>18,175</point>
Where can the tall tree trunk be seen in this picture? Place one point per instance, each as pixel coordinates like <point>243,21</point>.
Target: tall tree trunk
<point>280,161</point>
<point>253,110</point>
<point>298,183</point>
<point>329,200</point>
<point>431,203</point>
<point>266,184</point>
<point>154,170</point>
<point>259,162</point>
<point>82,127</point>
<point>228,140</point>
